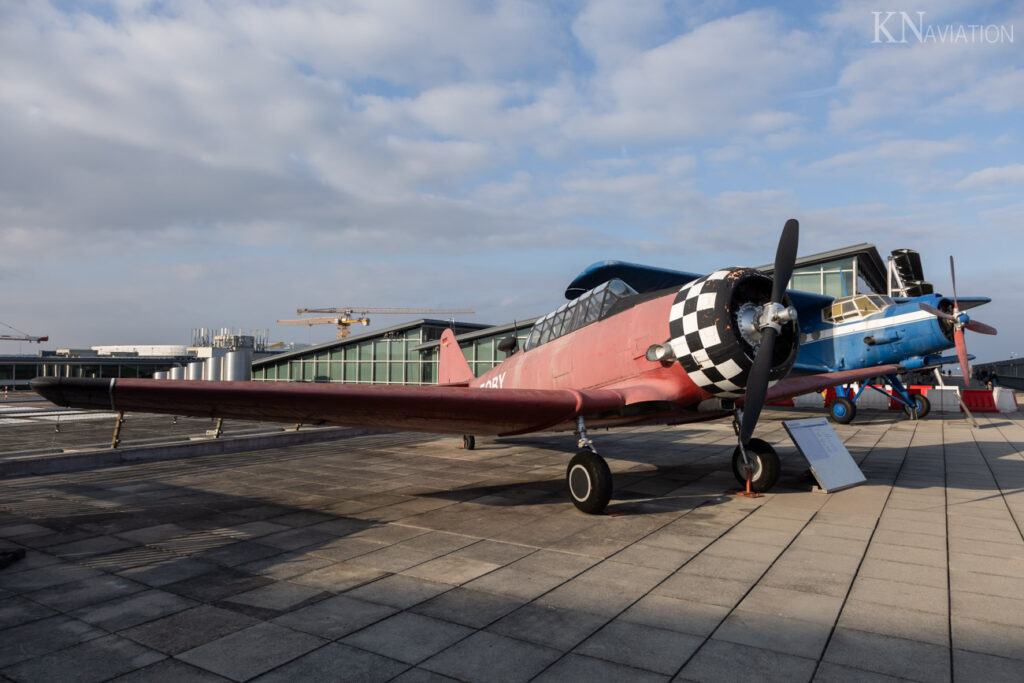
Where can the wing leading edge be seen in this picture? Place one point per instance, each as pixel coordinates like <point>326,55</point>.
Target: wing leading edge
<point>442,410</point>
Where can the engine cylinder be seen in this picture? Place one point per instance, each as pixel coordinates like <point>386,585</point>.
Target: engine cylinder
<point>706,336</point>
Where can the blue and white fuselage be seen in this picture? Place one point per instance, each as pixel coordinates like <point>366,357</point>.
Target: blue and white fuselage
<point>870,329</point>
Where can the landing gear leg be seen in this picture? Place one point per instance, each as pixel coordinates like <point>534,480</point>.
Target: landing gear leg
<point>588,475</point>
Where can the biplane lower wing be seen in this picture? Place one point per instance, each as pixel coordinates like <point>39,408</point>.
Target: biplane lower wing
<point>441,410</point>
<point>806,384</point>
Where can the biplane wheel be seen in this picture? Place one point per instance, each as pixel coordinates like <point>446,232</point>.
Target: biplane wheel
<point>468,442</point>
<point>842,410</point>
<point>924,406</point>
<point>590,481</point>
<point>765,471</point>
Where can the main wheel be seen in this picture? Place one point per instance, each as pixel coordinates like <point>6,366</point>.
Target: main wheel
<point>842,410</point>
<point>590,481</point>
<point>468,442</point>
<point>924,406</point>
<point>765,461</point>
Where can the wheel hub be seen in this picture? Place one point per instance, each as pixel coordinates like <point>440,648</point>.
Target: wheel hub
<point>579,482</point>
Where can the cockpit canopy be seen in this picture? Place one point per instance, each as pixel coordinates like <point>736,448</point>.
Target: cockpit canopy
<point>855,307</point>
<point>587,308</point>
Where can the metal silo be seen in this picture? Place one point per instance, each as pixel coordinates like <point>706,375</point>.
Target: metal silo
<point>160,374</point>
<point>211,369</point>
<point>238,365</point>
<point>177,372</point>
<point>194,370</point>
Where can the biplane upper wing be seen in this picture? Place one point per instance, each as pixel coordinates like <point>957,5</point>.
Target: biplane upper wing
<point>442,410</point>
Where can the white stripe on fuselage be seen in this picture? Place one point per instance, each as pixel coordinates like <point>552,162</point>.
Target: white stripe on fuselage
<point>868,325</point>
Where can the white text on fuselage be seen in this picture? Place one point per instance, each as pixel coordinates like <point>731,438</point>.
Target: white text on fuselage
<point>496,382</point>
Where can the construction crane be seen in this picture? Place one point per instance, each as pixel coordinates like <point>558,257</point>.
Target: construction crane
<point>352,315</point>
<point>21,335</point>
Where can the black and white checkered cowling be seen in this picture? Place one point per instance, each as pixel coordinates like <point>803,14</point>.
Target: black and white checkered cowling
<point>704,336</point>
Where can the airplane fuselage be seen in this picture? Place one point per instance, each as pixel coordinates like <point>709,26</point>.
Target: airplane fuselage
<point>900,333</point>
<point>609,353</point>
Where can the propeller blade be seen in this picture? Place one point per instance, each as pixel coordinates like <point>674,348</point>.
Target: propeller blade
<point>936,312</point>
<point>975,326</point>
<point>961,354</point>
<point>785,259</point>
<point>757,381</point>
<point>952,276</point>
<point>757,385</point>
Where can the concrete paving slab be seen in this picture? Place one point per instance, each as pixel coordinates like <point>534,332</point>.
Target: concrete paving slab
<point>336,661</point>
<point>97,660</point>
<point>640,646</point>
<point>335,617</point>
<point>768,632</point>
<point>133,610</point>
<point>32,640</point>
<point>898,657</point>
<point>480,655</point>
<point>252,651</point>
<point>685,616</point>
<point>408,637</point>
<point>722,661</point>
<point>576,667</point>
<point>169,671</point>
<point>899,622</point>
<point>185,630</point>
<point>468,607</point>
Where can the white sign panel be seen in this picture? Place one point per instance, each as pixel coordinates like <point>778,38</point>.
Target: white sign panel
<point>831,464</point>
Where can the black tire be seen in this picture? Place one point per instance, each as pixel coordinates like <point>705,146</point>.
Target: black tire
<point>468,442</point>
<point>842,410</point>
<point>589,481</point>
<point>766,468</point>
<point>924,406</point>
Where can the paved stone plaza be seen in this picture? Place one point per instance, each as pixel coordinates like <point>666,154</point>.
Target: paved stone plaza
<point>402,557</point>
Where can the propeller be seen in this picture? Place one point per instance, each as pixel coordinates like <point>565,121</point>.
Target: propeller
<point>770,321</point>
<point>961,321</point>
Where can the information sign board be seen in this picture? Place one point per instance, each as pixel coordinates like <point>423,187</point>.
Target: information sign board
<point>831,464</point>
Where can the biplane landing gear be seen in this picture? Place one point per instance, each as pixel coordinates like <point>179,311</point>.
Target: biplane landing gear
<point>842,410</point>
<point>922,404</point>
<point>468,442</point>
<point>764,462</point>
<point>588,475</point>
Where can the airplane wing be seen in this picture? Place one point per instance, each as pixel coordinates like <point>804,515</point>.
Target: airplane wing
<point>441,410</point>
<point>795,386</point>
<point>640,277</point>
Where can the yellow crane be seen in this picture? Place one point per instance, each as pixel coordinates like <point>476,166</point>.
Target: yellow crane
<point>343,317</point>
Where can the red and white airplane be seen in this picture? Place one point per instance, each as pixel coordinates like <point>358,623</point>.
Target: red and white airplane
<point>719,346</point>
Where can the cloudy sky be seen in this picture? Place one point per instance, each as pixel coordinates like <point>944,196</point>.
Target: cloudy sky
<point>165,166</point>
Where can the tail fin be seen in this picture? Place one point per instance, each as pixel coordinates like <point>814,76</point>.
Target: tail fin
<point>452,367</point>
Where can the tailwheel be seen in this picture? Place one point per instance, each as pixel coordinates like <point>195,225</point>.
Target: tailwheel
<point>590,481</point>
<point>468,442</point>
<point>764,463</point>
<point>923,405</point>
<point>842,410</point>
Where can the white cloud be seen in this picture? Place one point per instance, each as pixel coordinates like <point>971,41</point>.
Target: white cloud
<point>898,152</point>
<point>728,74</point>
<point>989,178</point>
